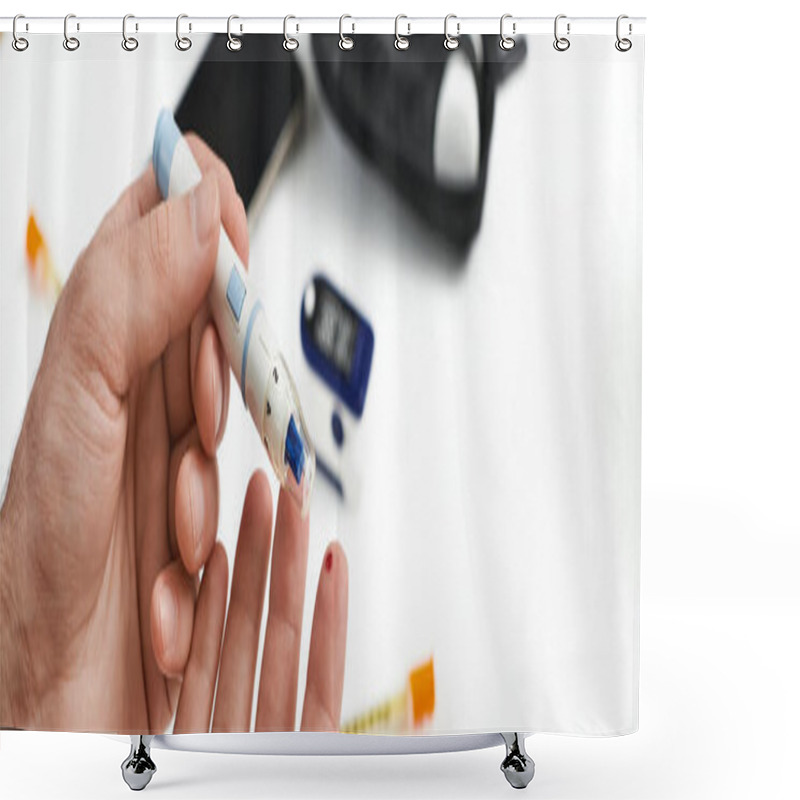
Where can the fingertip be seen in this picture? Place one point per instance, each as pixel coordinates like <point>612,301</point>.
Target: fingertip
<point>171,619</point>
<point>204,204</point>
<point>163,618</point>
<point>258,500</point>
<point>334,579</point>
<point>218,560</point>
<point>289,514</point>
<point>333,593</point>
<point>216,569</point>
<point>232,209</point>
<point>225,378</point>
<point>335,561</point>
<point>209,390</point>
<point>196,508</point>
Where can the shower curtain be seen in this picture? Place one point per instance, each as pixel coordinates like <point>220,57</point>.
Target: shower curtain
<point>446,246</point>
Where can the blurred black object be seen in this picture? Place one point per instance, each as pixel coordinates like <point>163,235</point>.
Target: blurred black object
<point>246,106</point>
<point>386,102</point>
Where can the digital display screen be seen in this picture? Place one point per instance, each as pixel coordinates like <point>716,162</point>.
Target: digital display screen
<point>338,342</point>
<point>334,329</point>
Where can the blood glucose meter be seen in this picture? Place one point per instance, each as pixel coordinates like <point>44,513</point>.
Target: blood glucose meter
<point>338,344</point>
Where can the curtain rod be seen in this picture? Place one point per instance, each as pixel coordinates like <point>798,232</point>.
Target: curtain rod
<point>349,24</point>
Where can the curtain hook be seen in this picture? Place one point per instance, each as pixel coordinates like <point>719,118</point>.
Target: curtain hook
<point>129,43</point>
<point>507,42</point>
<point>346,42</point>
<point>561,43</point>
<point>623,44</point>
<point>19,43</point>
<point>183,43</point>
<point>451,42</point>
<point>71,43</point>
<point>401,42</point>
<point>234,43</point>
<point>289,42</point>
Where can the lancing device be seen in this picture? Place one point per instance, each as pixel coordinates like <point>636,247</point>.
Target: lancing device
<point>250,346</point>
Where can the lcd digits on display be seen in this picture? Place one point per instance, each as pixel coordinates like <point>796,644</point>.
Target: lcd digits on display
<point>334,330</point>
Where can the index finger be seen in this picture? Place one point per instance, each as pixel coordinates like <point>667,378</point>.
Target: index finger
<point>322,705</point>
<point>234,214</point>
<point>142,196</point>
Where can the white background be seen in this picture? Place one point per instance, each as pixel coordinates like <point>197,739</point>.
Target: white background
<point>721,528</point>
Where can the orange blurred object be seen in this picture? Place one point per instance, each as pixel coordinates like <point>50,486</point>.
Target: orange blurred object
<point>403,712</point>
<point>423,692</point>
<point>40,264</point>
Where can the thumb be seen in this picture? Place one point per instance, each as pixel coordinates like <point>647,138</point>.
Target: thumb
<point>151,279</point>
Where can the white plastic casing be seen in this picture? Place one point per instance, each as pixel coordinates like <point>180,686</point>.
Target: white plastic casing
<point>249,344</point>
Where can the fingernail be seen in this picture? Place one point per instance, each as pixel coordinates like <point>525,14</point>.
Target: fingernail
<point>216,377</point>
<point>197,508</point>
<point>329,561</point>
<point>204,210</point>
<point>167,616</point>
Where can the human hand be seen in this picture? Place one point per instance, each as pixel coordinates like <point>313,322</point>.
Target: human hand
<point>112,501</point>
<point>236,657</point>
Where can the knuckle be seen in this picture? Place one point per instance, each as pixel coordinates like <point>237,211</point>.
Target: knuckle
<point>84,326</point>
<point>161,241</point>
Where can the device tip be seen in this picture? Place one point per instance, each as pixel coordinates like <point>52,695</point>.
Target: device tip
<point>166,137</point>
<point>298,454</point>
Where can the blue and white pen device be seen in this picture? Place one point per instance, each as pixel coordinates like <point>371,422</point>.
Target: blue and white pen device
<point>250,346</point>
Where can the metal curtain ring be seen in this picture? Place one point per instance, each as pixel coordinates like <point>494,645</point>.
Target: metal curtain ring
<point>451,42</point>
<point>346,42</point>
<point>234,44</point>
<point>19,43</point>
<point>289,43</point>
<point>71,43</point>
<point>183,43</point>
<point>401,42</point>
<point>561,43</point>
<point>507,42</point>
<point>129,43</point>
<point>623,44</point>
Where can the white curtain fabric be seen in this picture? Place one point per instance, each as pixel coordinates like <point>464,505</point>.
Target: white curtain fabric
<point>497,523</point>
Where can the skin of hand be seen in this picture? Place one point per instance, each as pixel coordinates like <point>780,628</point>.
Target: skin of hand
<point>112,502</point>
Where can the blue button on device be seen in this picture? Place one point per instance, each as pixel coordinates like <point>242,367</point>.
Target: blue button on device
<point>235,293</point>
<point>293,453</point>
